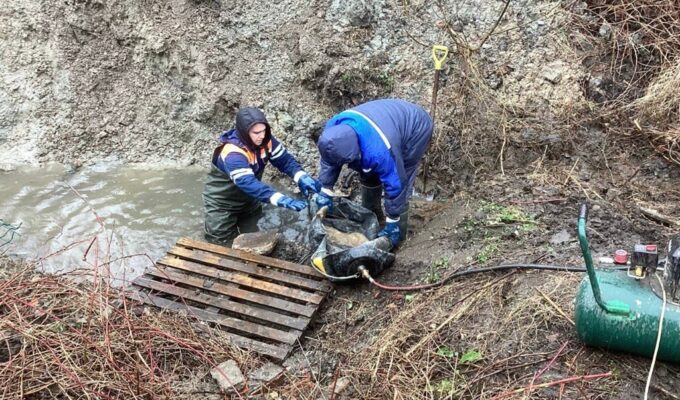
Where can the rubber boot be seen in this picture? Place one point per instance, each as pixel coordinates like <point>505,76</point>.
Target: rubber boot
<point>403,224</point>
<point>371,199</point>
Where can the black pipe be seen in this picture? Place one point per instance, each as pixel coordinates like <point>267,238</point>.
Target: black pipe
<point>472,271</point>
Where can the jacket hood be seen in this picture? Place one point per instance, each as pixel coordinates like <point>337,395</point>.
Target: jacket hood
<point>230,136</point>
<point>339,144</point>
<point>245,119</point>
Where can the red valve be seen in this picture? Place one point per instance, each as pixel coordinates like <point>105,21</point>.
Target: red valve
<point>621,257</point>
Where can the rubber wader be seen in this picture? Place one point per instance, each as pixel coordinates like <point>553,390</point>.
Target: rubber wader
<point>228,211</point>
<point>403,223</point>
<point>371,199</point>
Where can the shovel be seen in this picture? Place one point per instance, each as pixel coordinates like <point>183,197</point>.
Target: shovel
<point>439,54</point>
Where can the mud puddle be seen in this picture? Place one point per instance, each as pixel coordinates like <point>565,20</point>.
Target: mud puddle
<point>130,213</point>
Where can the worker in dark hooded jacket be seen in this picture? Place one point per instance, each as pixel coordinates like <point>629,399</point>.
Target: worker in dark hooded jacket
<point>233,193</point>
<point>383,140</point>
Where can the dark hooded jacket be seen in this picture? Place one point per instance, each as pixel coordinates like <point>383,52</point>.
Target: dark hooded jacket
<point>241,162</point>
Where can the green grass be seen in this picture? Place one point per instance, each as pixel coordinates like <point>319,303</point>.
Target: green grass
<point>497,214</point>
<point>435,269</point>
<point>487,252</point>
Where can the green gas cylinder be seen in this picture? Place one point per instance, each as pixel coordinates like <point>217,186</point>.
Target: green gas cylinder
<point>617,312</point>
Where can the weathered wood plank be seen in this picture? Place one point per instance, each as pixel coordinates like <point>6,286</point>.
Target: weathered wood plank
<point>299,323</point>
<point>273,274</point>
<point>244,255</point>
<point>278,352</point>
<point>257,329</point>
<point>231,291</point>
<point>241,279</point>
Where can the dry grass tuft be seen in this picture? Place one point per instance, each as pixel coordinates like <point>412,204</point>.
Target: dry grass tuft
<point>658,112</point>
<point>488,337</point>
<point>661,102</point>
<point>71,340</point>
<point>641,40</point>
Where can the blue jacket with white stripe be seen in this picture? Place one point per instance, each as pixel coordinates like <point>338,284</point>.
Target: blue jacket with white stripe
<point>243,164</point>
<point>383,137</point>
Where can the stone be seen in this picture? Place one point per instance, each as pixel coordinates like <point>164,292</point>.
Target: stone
<point>228,376</point>
<point>264,375</point>
<point>561,237</point>
<point>605,31</point>
<point>296,364</point>
<point>262,243</point>
<point>348,13</point>
<point>552,74</point>
<point>494,81</point>
<point>613,194</point>
<point>7,167</point>
<point>341,385</point>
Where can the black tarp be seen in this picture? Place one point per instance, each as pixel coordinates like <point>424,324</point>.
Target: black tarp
<point>339,258</point>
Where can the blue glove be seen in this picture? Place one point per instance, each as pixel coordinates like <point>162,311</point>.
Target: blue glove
<point>391,230</point>
<point>292,204</point>
<point>324,200</point>
<point>308,184</point>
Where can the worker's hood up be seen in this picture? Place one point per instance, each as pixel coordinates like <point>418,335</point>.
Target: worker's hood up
<point>245,119</point>
<point>339,144</point>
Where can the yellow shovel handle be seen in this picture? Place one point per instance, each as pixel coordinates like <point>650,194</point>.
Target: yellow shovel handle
<point>439,54</point>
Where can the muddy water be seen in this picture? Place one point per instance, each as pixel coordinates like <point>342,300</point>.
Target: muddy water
<point>76,220</point>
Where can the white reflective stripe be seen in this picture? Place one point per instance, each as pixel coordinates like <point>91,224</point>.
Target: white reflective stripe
<point>278,151</point>
<point>299,175</point>
<point>328,192</point>
<point>241,175</point>
<point>366,170</point>
<point>388,219</point>
<point>237,173</point>
<point>376,127</point>
<point>275,198</point>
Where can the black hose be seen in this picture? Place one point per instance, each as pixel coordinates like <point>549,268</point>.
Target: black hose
<point>472,271</point>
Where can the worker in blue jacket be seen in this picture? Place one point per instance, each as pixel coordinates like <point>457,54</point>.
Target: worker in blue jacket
<point>383,140</point>
<point>233,193</point>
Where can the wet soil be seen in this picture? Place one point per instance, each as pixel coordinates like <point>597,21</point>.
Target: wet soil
<point>528,215</point>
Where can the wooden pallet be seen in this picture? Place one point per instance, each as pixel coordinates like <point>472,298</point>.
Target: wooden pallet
<point>264,304</point>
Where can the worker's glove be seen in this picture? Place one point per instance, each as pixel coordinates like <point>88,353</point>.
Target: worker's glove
<point>391,231</point>
<point>324,198</point>
<point>292,204</point>
<point>307,184</point>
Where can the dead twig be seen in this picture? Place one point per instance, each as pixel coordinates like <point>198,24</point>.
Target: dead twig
<point>656,216</point>
<point>555,382</point>
<point>493,28</point>
<point>555,306</point>
<point>540,201</point>
<point>455,315</point>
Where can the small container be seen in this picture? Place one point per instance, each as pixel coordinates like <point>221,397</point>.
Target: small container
<point>621,257</point>
<point>605,261</point>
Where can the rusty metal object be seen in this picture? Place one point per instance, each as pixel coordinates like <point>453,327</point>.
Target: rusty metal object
<point>264,304</point>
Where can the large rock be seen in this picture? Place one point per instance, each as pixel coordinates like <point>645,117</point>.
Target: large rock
<point>228,376</point>
<point>257,242</point>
